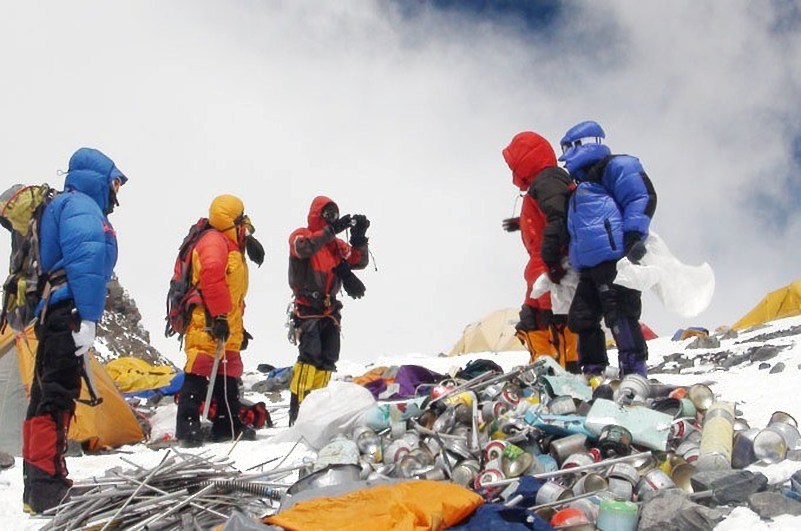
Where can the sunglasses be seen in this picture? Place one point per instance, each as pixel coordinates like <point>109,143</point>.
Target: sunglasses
<point>566,146</point>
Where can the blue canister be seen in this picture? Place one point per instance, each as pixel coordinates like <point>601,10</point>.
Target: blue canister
<point>616,515</point>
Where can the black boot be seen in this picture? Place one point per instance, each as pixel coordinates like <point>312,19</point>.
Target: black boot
<point>294,406</point>
<point>187,422</point>
<point>226,425</point>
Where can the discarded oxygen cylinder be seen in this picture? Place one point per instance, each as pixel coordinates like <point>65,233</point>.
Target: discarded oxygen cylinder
<point>716,437</point>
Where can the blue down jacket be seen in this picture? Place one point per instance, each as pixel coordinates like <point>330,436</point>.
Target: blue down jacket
<point>75,234</point>
<point>605,206</point>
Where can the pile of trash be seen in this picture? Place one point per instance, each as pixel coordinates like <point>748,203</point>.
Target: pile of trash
<point>557,450</point>
<point>536,445</point>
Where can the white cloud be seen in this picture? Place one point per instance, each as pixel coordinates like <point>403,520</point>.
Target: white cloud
<point>402,119</point>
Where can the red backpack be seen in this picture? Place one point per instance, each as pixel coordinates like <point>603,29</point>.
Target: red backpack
<point>183,296</point>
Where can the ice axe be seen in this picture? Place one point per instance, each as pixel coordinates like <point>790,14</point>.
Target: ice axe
<point>86,372</point>
<point>212,377</point>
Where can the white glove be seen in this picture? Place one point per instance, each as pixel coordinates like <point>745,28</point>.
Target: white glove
<point>85,337</point>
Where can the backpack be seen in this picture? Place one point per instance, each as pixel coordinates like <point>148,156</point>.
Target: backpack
<point>21,208</point>
<point>183,296</point>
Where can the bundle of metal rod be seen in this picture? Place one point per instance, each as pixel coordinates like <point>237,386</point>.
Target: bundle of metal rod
<point>186,491</point>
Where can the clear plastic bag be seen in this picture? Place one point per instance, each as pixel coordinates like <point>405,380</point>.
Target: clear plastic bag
<point>683,289</point>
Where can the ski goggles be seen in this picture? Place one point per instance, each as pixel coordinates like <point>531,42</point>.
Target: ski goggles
<point>330,213</point>
<point>567,146</point>
<point>243,221</point>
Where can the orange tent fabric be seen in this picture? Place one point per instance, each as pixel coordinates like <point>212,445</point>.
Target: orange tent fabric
<point>111,423</point>
<point>408,506</point>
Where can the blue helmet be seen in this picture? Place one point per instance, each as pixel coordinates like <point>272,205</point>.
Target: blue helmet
<point>582,146</point>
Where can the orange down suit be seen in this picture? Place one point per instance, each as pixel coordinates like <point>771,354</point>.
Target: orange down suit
<point>220,271</point>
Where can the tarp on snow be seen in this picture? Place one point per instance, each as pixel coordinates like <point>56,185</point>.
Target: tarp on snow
<point>404,384</point>
<point>784,302</point>
<point>111,423</point>
<point>404,506</point>
<point>327,412</point>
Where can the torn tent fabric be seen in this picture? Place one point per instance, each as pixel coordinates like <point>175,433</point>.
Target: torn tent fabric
<point>408,506</point>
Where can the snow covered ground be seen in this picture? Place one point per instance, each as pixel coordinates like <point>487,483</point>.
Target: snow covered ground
<point>757,392</point>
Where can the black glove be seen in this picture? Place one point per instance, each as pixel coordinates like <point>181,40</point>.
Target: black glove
<point>511,224</point>
<point>556,272</point>
<point>219,329</point>
<point>353,286</point>
<point>357,233</point>
<point>246,337</point>
<point>634,246</point>
<point>255,250</point>
<point>340,224</point>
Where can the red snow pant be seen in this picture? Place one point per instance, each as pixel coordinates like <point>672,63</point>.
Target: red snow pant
<point>55,387</point>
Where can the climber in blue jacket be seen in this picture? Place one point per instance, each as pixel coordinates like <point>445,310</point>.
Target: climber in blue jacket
<point>78,251</point>
<point>608,218</point>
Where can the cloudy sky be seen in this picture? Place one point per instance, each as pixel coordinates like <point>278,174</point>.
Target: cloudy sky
<point>399,110</point>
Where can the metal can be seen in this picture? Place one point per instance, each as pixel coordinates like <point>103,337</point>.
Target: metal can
<point>624,471</point>
<point>488,475</point>
<point>653,481</point>
<point>688,450</point>
<point>591,482</point>
<point>614,441</point>
<point>551,491</point>
<point>563,448</point>
<point>578,459</point>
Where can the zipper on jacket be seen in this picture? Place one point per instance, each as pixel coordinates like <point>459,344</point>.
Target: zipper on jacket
<point>608,227</point>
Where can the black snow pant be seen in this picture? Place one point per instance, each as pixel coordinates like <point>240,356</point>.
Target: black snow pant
<point>596,298</point>
<point>319,343</point>
<point>318,353</point>
<point>55,386</point>
<point>224,411</point>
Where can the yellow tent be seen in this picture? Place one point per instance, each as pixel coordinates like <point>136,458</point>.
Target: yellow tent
<point>133,374</point>
<point>109,424</point>
<point>784,302</point>
<point>493,333</point>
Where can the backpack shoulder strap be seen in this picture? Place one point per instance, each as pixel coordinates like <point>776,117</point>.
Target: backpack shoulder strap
<point>596,171</point>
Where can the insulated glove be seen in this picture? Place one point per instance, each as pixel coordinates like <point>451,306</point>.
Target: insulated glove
<point>353,286</point>
<point>634,246</point>
<point>84,338</point>
<point>556,272</point>
<point>357,233</point>
<point>340,224</point>
<point>255,250</point>
<point>219,329</point>
<point>246,337</point>
<point>511,224</point>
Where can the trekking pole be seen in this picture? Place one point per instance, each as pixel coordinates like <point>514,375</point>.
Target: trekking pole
<point>217,355</point>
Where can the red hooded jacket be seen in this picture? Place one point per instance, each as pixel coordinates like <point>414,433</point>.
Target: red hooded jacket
<point>313,252</point>
<point>544,212</point>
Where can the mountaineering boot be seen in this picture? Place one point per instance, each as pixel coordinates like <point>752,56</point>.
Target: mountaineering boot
<point>187,420</point>
<point>294,406</point>
<point>631,364</point>
<point>247,434</point>
<point>226,424</point>
<point>192,434</point>
<point>631,347</point>
<point>304,378</point>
